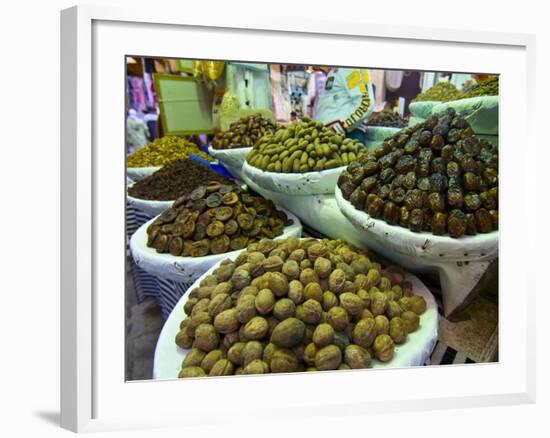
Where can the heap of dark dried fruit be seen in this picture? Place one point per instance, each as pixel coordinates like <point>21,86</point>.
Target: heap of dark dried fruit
<point>176,179</point>
<point>387,118</point>
<point>436,176</point>
<point>213,219</point>
<point>244,133</point>
<point>296,305</point>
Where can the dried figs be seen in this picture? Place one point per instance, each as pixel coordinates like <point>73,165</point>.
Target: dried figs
<point>203,223</point>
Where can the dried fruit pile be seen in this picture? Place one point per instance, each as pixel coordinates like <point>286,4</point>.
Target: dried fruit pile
<point>214,219</point>
<point>488,87</point>
<point>296,305</point>
<point>244,133</point>
<point>436,176</point>
<point>176,179</point>
<point>303,146</point>
<point>163,150</point>
<point>442,92</point>
<point>387,118</point>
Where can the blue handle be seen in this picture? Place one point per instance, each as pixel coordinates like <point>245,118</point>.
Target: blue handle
<point>218,168</point>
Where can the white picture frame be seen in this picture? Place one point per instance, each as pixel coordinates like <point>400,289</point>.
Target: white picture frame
<point>94,396</point>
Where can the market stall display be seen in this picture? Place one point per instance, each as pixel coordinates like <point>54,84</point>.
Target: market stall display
<point>297,305</point>
<point>387,118</point>
<point>232,159</point>
<point>185,269</point>
<point>422,105</point>
<point>477,104</point>
<point>435,177</point>
<point>440,92</point>
<point>302,159</point>
<point>480,112</point>
<point>213,219</point>
<point>488,87</point>
<point>149,158</point>
<point>177,178</point>
<point>216,239</point>
<point>156,192</point>
<point>244,133</point>
<point>459,271</point>
<point>301,147</point>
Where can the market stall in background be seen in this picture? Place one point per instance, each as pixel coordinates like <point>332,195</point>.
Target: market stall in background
<point>286,218</point>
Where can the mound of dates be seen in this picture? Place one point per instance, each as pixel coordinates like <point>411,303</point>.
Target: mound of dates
<point>436,176</point>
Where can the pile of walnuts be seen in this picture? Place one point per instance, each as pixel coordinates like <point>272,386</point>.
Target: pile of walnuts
<point>296,305</point>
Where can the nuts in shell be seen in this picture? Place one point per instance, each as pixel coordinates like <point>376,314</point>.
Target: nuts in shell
<point>218,304</point>
<point>329,301</point>
<point>278,283</point>
<point>190,372</point>
<point>288,333</point>
<point>210,359</point>
<point>328,358</point>
<point>312,312</point>
<point>352,303</point>
<point>206,337</point>
<point>251,351</point>
<point>411,321</point>
<point>323,335</point>
<point>227,321</point>
<point>222,367</point>
<point>398,332</point>
<point>183,339</point>
<point>246,308</point>
<point>356,357</point>
<point>313,291</point>
<point>383,348</point>
<point>264,301</point>
<point>256,328</point>
<point>257,366</point>
<point>382,325</point>
<point>336,280</point>
<point>322,267</point>
<point>338,318</point>
<point>364,332</point>
<point>283,360</point>
<point>295,291</point>
<point>194,358</point>
<point>284,308</point>
<point>235,352</point>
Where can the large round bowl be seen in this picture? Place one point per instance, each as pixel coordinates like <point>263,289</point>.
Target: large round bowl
<point>149,207</point>
<point>423,244</point>
<point>422,109</point>
<point>232,159</point>
<point>308,183</point>
<point>137,173</point>
<point>185,269</point>
<point>380,133</point>
<point>415,352</point>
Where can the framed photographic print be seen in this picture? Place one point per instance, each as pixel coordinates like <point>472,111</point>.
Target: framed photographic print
<point>321,212</point>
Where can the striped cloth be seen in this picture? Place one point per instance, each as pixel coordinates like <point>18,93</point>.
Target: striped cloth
<point>145,284</point>
<point>166,292</point>
<point>443,354</point>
